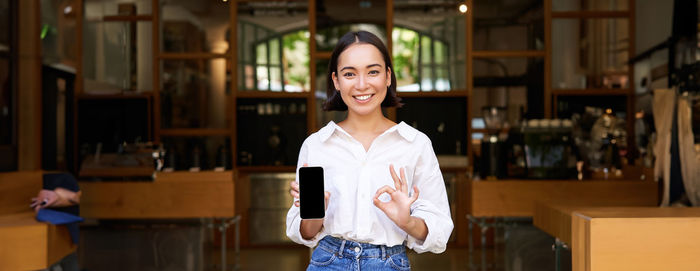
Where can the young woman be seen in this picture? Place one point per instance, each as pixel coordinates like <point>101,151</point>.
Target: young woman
<point>372,211</point>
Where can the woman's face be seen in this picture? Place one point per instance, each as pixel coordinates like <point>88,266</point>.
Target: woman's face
<point>362,78</point>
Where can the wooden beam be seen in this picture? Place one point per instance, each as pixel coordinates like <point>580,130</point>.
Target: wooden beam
<point>311,99</point>
<point>29,85</point>
<point>548,59</point>
<point>155,32</point>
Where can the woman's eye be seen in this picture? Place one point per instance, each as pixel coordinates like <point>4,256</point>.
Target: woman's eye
<point>348,74</point>
<point>373,72</point>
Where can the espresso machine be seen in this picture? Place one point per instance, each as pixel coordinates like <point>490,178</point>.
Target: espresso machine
<point>493,145</point>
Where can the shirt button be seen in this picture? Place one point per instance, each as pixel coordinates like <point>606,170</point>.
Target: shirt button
<point>357,250</point>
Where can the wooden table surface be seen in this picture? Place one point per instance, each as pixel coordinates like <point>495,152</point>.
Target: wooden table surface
<point>31,245</point>
<point>516,198</point>
<point>636,238</point>
<point>170,196</point>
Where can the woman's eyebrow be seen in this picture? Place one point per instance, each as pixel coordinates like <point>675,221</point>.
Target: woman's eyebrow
<point>368,66</point>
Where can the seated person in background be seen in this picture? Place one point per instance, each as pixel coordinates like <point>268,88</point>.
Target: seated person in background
<point>60,192</point>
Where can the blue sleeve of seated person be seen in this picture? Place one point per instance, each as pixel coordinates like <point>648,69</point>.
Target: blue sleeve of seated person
<point>65,181</point>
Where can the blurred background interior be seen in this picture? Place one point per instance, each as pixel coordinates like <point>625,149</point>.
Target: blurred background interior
<point>182,120</point>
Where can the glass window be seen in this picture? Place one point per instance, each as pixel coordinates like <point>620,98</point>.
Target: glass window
<point>273,46</point>
<point>102,8</point>
<point>197,153</point>
<point>194,93</point>
<point>508,25</point>
<point>194,26</point>
<point>335,18</point>
<point>428,46</point>
<point>590,53</point>
<point>117,56</point>
<point>595,5</point>
<point>327,37</point>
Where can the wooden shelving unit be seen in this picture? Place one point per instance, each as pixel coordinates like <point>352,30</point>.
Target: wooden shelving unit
<point>235,96</point>
<point>552,94</point>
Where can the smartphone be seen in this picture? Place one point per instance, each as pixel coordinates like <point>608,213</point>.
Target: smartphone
<point>311,193</point>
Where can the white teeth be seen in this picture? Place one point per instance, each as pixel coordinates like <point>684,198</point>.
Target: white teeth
<point>363,98</point>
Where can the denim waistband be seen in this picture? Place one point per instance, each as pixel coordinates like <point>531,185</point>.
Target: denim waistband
<point>347,248</point>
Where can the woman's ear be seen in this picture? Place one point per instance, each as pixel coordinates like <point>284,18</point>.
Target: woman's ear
<point>388,76</point>
<point>334,77</point>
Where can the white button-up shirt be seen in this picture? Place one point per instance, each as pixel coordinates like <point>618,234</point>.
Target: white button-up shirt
<point>353,175</point>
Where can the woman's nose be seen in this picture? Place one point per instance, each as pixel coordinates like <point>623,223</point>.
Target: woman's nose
<point>361,82</point>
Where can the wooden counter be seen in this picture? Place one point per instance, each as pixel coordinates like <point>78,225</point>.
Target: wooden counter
<point>636,238</point>
<point>27,244</point>
<point>170,196</point>
<point>516,198</point>
<point>31,245</point>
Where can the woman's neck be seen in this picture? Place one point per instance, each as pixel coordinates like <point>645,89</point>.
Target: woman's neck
<point>374,123</point>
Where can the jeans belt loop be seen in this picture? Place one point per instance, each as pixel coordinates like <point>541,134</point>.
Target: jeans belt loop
<point>342,247</point>
<point>383,253</point>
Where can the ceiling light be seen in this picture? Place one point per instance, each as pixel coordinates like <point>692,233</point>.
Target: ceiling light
<point>463,8</point>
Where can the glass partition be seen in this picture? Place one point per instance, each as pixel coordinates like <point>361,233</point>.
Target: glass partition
<point>194,93</point>
<point>513,83</point>
<point>428,46</point>
<point>508,25</point>
<point>335,18</point>
<point>194,26</point>
<point>590,53</point>
<point>117,56</point>
<point>593,5</point>
<point>118,8</point>
<point>58,27</point>
<point>273,46</point>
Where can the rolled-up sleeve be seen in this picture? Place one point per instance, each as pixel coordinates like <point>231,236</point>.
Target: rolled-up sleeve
<point>293,217</point>
<point>432,204</point>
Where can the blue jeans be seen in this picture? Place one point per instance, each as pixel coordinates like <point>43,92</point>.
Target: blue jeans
<point>337,254</point>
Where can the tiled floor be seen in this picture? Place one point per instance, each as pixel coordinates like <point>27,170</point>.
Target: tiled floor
<point>184,248</point>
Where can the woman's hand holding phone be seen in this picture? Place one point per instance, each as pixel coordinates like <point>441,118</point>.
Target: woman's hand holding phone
<point>294,191</point>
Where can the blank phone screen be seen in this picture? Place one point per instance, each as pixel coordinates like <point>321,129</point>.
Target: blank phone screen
<point>311,193</point>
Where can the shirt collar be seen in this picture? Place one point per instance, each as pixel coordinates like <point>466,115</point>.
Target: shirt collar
<point>406,131</point>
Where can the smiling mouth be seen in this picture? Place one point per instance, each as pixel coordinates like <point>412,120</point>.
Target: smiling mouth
<point>363,98</point>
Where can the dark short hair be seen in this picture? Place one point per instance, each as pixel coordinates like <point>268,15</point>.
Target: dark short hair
<point>333,100</point>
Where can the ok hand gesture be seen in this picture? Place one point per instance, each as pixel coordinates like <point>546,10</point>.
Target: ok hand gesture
<point>398,209</point>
